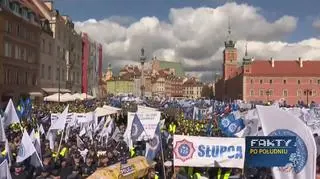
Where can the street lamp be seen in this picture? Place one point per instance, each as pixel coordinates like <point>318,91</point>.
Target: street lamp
<point>268,93</point>
<point>59,77</point>
<point>307,92</point>
<point>142,61</point>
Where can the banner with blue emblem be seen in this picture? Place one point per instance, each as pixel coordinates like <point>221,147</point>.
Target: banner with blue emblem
<point>270,151</point>
<point>193,151</point>
<point>277,122</point>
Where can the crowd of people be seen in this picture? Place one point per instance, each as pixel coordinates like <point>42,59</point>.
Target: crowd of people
<point>78,157</point>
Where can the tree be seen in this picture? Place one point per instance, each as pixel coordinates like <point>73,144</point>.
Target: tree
<point>207,92</point>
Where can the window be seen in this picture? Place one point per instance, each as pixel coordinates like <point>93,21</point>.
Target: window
<point>42,71</point>
<point>251,81</point>
<point>318,82</point>
<point>63,76</point>
<point>50,48</point>
<point>73,76</point>
<point>261,92</point>
<point>270,81</point>
<point>17,77</point>
<point>7,26</point>
<point>27,77</point>
<point>299,82</point>
<point>6,3</point>
<point>58,52</point>
<point>16,52</point>
<point>299,92</point>
<point>261,81</point>
<point>310,81</point>
<point>269,92</point>
<point>18,30</point>
<point>314,93</point>
<point>58,74</point>
<point>43,45</point>
<point>285,93</point>
<point>284,81</point>
<point>49,72</point>
<point>22,54</point>
<point>7,49</point>
<point>252,92</point>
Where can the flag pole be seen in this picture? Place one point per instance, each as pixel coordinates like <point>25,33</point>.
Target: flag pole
<point>162,156</point>
<point>60,141</point>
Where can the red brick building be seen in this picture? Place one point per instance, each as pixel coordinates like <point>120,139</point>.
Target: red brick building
<point>267,80</point>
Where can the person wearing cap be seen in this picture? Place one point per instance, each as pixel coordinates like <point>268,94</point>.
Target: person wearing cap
<point>76,173</point>
<point>45,173</point>
<point>168,169</point>
<point>55,174</point>
<point>65,169</point>
<point>19,172</point>
<point>88,168</point>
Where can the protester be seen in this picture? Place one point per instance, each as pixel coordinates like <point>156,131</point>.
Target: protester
<point>77,149</point>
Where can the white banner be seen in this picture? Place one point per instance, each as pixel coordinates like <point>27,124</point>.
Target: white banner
<point>149,120</point>
<point>54,117</point>
<point>74,117</point>
<point>208,151</point>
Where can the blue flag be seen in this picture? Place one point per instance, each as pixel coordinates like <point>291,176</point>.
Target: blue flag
<point>136,128</point>
<point>153,146</point>
<point>229,125</point>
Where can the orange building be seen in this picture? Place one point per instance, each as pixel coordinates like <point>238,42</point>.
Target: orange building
<point>267,80</point>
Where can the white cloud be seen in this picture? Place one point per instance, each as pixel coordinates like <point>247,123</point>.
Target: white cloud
<point>196,37</point>
<point>316,24</point>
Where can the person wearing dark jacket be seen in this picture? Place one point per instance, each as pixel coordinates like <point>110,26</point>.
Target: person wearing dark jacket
<point>18,172</point>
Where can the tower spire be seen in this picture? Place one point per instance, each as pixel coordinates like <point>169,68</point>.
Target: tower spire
<point>229,43</point>
<point>229,28</point>
<point>246,52</point>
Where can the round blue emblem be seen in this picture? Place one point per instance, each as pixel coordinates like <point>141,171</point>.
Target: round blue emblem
<point>298,159</point>
<point>232,128</point>
<point>134,130</point>
<point>21,151</point>
<point>225,122</point>
<point>184,150</point>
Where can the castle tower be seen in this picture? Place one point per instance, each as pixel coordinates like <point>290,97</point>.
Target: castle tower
<point>109,73</point>
<point>229,56</point>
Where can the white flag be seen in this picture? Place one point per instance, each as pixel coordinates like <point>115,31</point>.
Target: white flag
<point>4,170</point>
<point>61,122</point>
<point>3,137</point>
<point>277,122</point>
<point>10,115</point>
<point>26,148</point>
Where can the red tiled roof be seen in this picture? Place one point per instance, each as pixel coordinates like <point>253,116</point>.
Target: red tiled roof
<point>284,68</point>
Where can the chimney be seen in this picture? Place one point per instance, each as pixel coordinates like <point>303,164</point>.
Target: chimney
<point>300,62</point>
<point>272,62</point>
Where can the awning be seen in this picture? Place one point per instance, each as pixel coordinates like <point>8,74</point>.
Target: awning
<point>56,90</point>
<point>35,94</point>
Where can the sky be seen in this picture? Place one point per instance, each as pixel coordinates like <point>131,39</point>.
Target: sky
<point>193,31</point>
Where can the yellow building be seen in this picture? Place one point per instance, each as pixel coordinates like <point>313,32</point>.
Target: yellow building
<point>192,88</point>
<point>119,85</point>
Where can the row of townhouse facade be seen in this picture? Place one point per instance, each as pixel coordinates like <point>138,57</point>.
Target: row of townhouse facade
<point>41,53</point>
<point>162,83</point>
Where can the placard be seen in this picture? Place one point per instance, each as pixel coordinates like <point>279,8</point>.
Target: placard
<point>270,151</point>
<point>194,151</point>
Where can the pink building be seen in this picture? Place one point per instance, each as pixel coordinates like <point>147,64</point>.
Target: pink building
<point>268,80</point>
<point>85,61</point>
